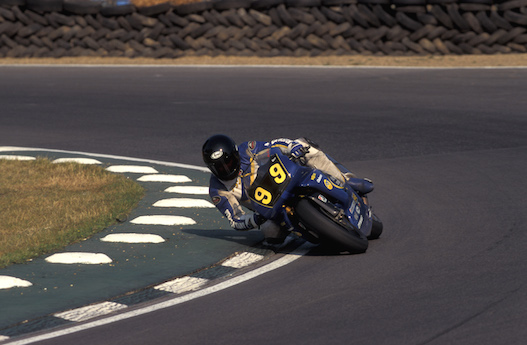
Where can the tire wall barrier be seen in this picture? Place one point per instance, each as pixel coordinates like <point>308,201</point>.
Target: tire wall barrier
<point>60,28</point>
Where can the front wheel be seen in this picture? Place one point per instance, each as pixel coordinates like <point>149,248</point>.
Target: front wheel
<point>328,229</point>
<point>376,227</point>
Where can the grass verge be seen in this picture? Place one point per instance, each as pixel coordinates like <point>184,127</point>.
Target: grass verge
<point>45,206</point>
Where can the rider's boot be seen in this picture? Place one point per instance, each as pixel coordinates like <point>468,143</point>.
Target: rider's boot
<point>274,233</point>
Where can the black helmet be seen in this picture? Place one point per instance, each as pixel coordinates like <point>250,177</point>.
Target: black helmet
<point>221,155</point>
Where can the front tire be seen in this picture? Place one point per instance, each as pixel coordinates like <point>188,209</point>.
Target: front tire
<point>376,227</point>
<point>328,229</point>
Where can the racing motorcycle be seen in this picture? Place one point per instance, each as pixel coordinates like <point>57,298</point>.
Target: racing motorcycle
<point>316,206</point>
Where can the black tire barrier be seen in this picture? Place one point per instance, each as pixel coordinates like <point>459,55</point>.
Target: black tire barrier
<point>195,7</point>
<point>154,9</point>
<point>223,5</point>
<point>110,9</point>
<point>81,6</point>
<point>12,2</point>
<point>58,28</point>
<point>266,4</point>
<point>44,5</point>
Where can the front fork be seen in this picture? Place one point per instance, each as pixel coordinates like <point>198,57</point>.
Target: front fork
<point>288,214</point>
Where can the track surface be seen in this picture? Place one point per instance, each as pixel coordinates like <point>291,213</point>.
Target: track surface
<point>446,148</point>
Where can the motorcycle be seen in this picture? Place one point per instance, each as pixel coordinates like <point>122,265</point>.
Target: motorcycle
<point>315,206</point>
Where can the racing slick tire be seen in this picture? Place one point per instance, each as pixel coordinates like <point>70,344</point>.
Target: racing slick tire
<point>376,227</point>
<point>329,230</point>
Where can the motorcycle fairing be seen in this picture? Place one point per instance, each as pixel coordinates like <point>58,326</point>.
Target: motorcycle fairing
<point>271,181</point>
<point>279,179</point>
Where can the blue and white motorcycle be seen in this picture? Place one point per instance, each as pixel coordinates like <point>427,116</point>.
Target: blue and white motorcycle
<point>316,206</point>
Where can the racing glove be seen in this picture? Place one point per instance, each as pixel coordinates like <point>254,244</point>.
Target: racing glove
<point>297,150</point>
<point>250,222</point>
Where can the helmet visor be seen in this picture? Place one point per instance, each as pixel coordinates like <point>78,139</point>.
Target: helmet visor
<point>225,168</point>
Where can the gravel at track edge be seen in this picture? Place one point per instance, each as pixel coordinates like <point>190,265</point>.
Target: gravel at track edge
<point>505,60</point>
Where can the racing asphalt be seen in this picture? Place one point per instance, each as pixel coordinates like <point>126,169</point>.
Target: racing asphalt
<point>446,149</point>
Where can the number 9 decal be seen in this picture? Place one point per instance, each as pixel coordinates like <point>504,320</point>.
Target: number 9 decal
<point>262,196</point>
<point>277,172</point>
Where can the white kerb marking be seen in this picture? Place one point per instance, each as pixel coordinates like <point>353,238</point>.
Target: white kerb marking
<point>188,190</point>
<point>77,160</point>
<point>163,220</point>
<point>286,259</point>
<point>79,258</point>
<point>181,285</point>
<point>3,337</point>
<point>133,238</point>
<point>17,158</point>
<point>89,312</point>
<point>138,169</point>
<point>242,260</point>
<point>183,203</point>
<point>7,282</point>
<point>164,178</point>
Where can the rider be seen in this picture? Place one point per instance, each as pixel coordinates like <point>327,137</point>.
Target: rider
<point>229,163</point>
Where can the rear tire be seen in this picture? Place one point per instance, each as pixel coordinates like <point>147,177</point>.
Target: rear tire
<point>329,230</point>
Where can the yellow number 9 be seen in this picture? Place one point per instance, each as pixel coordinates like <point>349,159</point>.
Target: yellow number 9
<point>262,196</point>
<point>277,172</point>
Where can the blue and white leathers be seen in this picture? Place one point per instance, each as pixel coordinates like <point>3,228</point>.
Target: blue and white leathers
<point>230,196</point>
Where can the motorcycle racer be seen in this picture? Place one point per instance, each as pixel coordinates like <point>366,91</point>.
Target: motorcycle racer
<point>232,166</point>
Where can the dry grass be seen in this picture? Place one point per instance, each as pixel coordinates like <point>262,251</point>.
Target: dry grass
<point>46,206</point>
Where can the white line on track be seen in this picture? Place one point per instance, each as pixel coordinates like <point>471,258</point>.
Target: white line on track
<point>170,164</point>
<point>303,249</point>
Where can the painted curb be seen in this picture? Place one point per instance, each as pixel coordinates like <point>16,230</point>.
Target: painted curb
<point>179,285</point>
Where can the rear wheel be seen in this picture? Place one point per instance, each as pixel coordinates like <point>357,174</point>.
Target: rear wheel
<point>328,229</point>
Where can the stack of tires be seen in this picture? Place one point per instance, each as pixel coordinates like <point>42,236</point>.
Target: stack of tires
<point>57,28</point>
